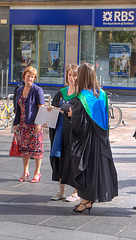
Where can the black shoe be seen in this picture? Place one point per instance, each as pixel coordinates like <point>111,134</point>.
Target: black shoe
<point>134,207</point>
<point>75,209</point>
<point>76,206</point>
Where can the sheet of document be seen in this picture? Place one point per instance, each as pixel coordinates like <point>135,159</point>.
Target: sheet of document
<point>44,116</point>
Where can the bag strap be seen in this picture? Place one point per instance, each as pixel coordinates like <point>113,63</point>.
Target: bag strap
<point>15,136</point>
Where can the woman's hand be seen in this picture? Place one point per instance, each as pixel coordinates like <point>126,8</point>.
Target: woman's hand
<point>61,111</point>
<point>45,125</point>
<point>70,112</point>
<point>49,108</point>
<point>37,128</point>
<point>15,127</point>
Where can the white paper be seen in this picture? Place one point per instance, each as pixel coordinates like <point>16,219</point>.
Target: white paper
<point>44,116</point>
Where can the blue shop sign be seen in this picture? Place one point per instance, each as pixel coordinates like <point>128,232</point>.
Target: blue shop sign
<point>51,17</point>
<point>115,18</point>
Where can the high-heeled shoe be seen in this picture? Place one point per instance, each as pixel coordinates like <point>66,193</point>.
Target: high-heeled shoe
<point>76,206</point>
<point>35,180</point>
<point>23,179</point>
<point>75,209</point>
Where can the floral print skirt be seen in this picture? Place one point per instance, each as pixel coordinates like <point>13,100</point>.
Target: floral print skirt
<point>30,142</point>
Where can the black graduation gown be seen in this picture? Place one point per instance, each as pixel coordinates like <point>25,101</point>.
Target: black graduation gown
<point>57,164</point>
<point>91,168</point>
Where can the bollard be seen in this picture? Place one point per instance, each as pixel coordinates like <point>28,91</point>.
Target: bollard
<point>6,83</point>
<point>8,98</point>
<point>2,74</point>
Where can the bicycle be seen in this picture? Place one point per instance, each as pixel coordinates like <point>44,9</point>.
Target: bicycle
<point>115,113</point>
<point>6,114</point>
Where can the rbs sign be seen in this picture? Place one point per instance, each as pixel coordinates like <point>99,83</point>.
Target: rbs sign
<point>115,18</point>
<point>124,16</point>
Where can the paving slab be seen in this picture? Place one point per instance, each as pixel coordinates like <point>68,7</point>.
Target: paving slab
<point>23,231</point>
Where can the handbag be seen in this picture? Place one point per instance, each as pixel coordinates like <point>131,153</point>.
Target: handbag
<point>134,135</point>
<point>14,150</point>
<point>12,128</point>
<point>65,107</point>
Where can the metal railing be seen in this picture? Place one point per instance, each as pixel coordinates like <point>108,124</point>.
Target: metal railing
<point>47,97</point>
<point>2,82</point>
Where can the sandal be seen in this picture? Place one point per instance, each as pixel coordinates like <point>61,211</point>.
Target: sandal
<point>75,209</point>
<point>58,196</point>
<point>35,180</point>
<point>22,179</point>
<point>79,204</point>
<point>74,197</point>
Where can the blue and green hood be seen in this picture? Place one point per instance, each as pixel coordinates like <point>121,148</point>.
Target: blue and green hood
<point>97,108</point>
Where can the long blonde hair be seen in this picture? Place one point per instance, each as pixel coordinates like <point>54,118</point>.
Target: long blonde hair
<point>87,79</point>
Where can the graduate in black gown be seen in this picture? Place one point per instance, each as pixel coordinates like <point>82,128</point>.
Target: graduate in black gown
<point>60,136</point>
<point>91,168</point>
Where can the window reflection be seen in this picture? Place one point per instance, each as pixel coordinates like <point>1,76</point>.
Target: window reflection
<point>122,64</point>
<point>24,50</point>
<point>51,42</point>
<point>43,48</point>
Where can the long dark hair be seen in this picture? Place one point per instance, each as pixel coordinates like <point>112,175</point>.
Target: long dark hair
<point>87,79</point>
<point>73,68</point>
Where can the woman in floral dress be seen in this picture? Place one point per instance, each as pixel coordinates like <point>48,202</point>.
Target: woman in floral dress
<point>29,98</point>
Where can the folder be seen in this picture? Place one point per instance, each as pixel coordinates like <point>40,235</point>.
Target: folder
<point>48,117</point>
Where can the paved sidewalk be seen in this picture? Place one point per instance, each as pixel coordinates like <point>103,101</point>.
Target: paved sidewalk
<point>27,212</point>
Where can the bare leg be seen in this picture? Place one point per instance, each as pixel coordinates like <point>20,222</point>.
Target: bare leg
<point>37,167</point>
<point>75,191</point>
<point>60,194</point>
<point>26,166</point>
<point>62,187</point>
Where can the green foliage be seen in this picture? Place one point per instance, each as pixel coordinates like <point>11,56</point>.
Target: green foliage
<point>107,37</point>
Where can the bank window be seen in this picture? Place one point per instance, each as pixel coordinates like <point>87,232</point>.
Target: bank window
<point>24,50</point>
<point>116,56</point>
<point>87,51</point>
<point>51,54</point>
<point>41,47</point>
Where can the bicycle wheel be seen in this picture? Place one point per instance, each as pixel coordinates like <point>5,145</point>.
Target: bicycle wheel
<point>3,118</point>
<point>115,117</point>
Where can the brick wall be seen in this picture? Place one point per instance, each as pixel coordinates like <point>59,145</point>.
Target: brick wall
<point>71,45</point>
